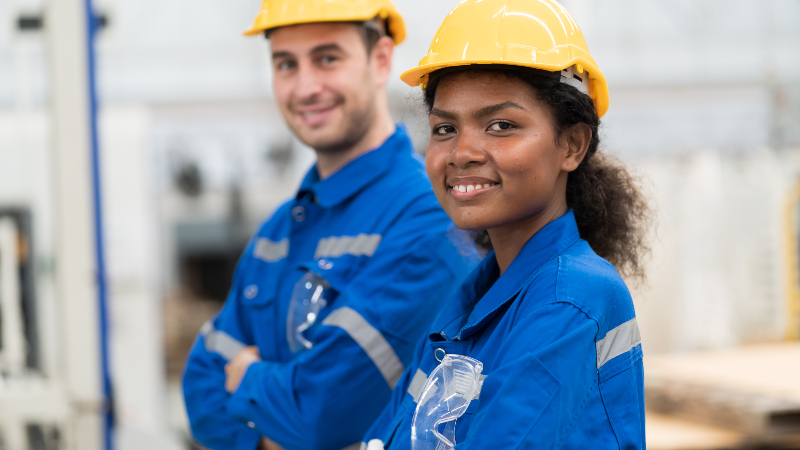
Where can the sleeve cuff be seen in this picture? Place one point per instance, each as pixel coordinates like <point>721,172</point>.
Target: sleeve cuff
<point>241,403</point>
<point>249,440</point>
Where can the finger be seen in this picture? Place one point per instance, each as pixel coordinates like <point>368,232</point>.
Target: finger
<point>230,384</point>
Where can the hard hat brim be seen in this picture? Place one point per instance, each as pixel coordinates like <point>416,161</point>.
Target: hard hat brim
<point>418,76</point>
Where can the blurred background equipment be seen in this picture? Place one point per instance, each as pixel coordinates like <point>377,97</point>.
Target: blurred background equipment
<point>705,106</point>
<point>54,388</point>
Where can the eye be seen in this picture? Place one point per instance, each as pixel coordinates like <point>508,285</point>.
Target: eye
<point>501,126</point>
<point>444,130</point>
<point>286,65</point>
<point>328,59</point>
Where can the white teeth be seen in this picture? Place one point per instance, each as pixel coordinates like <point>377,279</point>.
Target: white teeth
<point>470,188</point>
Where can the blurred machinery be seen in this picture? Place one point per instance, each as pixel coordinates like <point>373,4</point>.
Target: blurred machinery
<point>53,393</point>
<point>19,337</point>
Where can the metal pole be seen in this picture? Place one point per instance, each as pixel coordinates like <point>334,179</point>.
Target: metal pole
<point>102,285</point>
<point>80,277</point>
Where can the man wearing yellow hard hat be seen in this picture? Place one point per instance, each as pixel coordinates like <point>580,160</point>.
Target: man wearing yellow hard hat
<point>539,348</point>
<point>335,289</point>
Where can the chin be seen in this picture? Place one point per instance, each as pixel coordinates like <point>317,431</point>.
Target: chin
<point>319,138</point>
<point>467,223</point>
<point>474,222</point>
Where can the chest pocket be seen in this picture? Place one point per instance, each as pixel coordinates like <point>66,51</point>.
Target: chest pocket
<point>400,427</point>
<point>337,273</point>
<point>419,380</point>
<point>337,277</point>
<point>258,285</point>
<point>622,390</point>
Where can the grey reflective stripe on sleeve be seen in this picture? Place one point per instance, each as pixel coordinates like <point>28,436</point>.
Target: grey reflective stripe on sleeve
<point>420,379</point>
<point>370,340</point>
<point>271,251</point>
<point>481,379</point>
<point>416,385</point>
<point>220,342</point>
<point>361,245</point>
<point>621,339</point>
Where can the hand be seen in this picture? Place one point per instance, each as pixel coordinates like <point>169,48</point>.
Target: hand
<point>236,368</point>
<point>266,444</point>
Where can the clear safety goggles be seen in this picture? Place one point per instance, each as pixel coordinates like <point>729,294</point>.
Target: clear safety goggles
<point>448,392</point>
<point>308,298</point>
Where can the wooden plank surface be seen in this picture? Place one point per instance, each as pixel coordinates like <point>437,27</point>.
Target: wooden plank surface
<point>767,369</point>
<point>754,390</point>
<point>669,433</point>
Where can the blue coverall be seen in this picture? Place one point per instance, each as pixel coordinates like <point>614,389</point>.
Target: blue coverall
<point>560,348</point>
<point>376,233</point>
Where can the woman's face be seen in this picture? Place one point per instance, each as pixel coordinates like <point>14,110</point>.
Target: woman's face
<point>494,158</point>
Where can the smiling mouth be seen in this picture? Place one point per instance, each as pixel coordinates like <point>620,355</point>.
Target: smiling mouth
<point>310,114</point>
<point>317,116</point>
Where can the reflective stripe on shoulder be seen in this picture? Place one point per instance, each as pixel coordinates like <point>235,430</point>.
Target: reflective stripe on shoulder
<point>361,245</point>
<point>621,339</point>
<point>220,342</point>
<point>420,379</point>
<point>370,340</point>
<point>271,251</point>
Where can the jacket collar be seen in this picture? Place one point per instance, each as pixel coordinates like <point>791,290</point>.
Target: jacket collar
<point>358,173</point>
<point>484,291</point>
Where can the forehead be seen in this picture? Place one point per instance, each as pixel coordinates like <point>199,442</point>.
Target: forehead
<point>302,38</point>
<point>471,90</point>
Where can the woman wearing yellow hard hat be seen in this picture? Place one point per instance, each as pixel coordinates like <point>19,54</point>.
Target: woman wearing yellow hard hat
<point>539,348</point>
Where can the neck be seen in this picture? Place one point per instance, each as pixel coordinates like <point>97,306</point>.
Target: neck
<point>508,240</point>
<point>381,129</point>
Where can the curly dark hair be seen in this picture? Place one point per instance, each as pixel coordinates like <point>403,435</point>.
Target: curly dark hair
<point>611,212</point>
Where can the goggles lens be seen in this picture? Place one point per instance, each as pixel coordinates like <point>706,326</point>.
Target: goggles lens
<point>308,298</point>
<point>448,392</point>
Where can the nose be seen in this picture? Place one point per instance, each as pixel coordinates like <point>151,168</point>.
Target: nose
<point>309,83</point>
<point>467,152</point>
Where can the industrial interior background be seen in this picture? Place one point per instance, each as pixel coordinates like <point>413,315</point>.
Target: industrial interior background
<point>705,107</point>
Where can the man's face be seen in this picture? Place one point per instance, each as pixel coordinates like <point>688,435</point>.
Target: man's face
<point>325,83</point>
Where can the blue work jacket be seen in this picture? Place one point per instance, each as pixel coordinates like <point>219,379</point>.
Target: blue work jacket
<point>560,348</point>
<point>375,232</point>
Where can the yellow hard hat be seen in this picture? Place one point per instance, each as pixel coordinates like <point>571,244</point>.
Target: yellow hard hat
<point>281,13</point>
<point>539,34</point>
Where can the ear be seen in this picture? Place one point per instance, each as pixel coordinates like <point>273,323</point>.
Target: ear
<point>381,60</point>
<point>576,140</point>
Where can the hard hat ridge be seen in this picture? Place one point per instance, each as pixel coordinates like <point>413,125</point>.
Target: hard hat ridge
<point>535,34</point>
<point>281,13</point>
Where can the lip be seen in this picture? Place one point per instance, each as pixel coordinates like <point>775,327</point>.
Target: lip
<point>316,116</point>
<point>471,183</point>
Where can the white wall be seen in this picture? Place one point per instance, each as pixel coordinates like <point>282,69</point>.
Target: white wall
<point>717,272</point>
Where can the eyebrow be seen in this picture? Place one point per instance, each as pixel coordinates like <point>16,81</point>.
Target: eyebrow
<point>326,48</point>
<point>283,54</point>
<point>443,114</point>
<point>318,49</point>
<point>483,112</point>
<point>489,110</point>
